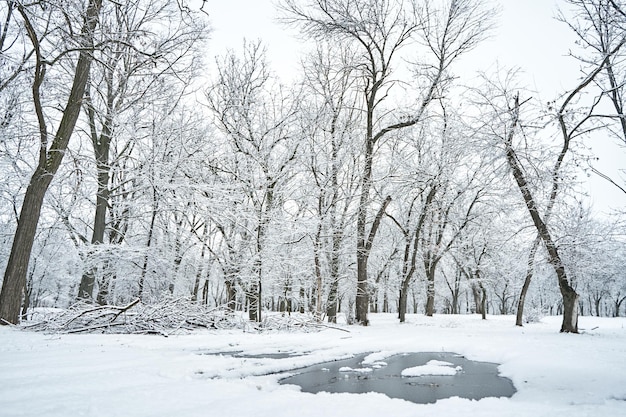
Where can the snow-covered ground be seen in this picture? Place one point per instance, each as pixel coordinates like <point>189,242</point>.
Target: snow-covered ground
<point>179,376</point>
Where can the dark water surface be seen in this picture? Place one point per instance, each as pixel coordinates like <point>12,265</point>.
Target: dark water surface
<point>475,380</point>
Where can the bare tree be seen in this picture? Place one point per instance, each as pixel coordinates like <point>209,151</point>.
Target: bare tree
<point>600,29</point>
<point>52,150</point>
<point>132,67</point>
<point>378,31</point>
<point>329,118</point>
<point>257,118</point>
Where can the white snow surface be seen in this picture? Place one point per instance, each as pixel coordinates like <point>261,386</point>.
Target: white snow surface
<point>358,370</point>
<point>433,367</point>
<point>555,374</point>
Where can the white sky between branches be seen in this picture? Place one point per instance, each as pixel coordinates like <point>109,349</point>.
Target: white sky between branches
<point>527,37</point>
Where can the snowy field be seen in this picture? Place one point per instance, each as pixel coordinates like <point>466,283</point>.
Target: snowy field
<point>131,375</point>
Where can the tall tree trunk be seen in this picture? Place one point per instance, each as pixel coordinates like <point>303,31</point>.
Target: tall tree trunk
<point>570,297</point>
<point>49,162</point>
<point>364,247</point>
<point>17,266</point>
<point>101,145</point>
<point>85,289</point>
<point>362,302</point>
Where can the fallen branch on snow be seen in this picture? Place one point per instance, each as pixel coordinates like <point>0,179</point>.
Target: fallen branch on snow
<point>168,317</point>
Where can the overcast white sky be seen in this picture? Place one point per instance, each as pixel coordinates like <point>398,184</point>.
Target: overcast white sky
<point>528,36</point>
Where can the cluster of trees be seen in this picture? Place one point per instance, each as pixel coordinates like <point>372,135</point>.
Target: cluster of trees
<point>379,180</point>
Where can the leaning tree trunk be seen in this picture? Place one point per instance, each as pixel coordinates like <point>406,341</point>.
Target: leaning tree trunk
<point>17,267</point>
<point>570,297</point>
<point>49,162</point>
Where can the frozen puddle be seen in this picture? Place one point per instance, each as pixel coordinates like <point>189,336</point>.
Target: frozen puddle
<point>417,377</point>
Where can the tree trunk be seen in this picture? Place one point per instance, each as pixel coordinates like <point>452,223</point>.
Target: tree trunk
<point>408,269</point>
<point>483,301</point>
<point>402,302</point>
<point>87,282</point>
<point>431,268</point>
<point>318,273</point>
<point>101,145</point>
<point>333,296</point>
<point>102,196</point>
<point>616,308</point>
<point>570,308</point>
<point>144,268</point>
<point>530,268</point>
<point>430,296</point>
<point>476,297</point>
<point>362,301</point>
<point>386,301</point>
<point>364,246</point>
<point>232,295</point>
<point>252,302</point>
<point>331,304</point>
<point>17,266</point>
<point>456,293</point>
<point>205,292</point>
<point>28,292</point>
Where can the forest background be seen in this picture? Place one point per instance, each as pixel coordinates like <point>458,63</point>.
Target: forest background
<point>392,159</point>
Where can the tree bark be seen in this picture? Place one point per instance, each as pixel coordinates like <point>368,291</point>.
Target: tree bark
<point>318,273</point>
<point>431,268</point>
<point>17,266</point>
<point>333,298</point>
<point>483,300</point>
<point>49,162</point>
<point>402,302</point>
<point>364,247</point>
